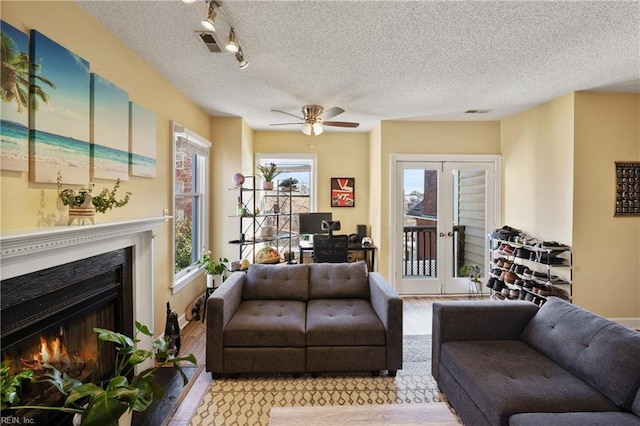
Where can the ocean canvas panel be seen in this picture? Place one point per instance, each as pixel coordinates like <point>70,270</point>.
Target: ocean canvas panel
<point>14,116</point>
<point>142,158</point>
<point>60,113</point>
<point>109,130</point>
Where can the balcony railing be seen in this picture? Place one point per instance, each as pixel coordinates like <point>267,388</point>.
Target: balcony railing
<point>420,250</point>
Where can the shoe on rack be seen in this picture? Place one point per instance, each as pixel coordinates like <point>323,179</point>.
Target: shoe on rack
<point>514,294</point>
<point>520,270</point>
<point>495,273</point>
<point>505,292</point>
<point>491,282</point>
<point>523,253</point>
<point>523,295</point>
<point>510,277</point>
<point>527,274</point>
<point>529,297</point>
<point>519,283</point>
<point>498,285</point>
<point>540,275</point>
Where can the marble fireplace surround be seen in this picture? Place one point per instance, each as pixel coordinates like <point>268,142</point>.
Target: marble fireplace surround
<point>24,252</point>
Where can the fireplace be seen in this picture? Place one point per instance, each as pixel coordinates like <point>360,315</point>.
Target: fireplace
<point>107,281</point>
<point>48,318</point>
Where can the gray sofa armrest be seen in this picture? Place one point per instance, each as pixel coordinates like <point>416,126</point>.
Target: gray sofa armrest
<point>477,320</point>
<point>221,306</point>
<point>388,305</point>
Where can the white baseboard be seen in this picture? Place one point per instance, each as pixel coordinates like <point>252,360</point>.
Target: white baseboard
<point>628,322</point>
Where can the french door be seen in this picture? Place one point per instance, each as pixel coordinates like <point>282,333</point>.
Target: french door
<point>443,212</point>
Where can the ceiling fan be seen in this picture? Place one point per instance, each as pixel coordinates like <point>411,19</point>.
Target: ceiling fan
<point>313,119</point>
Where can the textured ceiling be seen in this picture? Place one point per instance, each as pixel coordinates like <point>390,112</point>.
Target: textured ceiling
<point>385,60</point>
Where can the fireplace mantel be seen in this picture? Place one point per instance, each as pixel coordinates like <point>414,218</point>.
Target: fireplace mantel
<point>24,252</point>
<point>21,243</point>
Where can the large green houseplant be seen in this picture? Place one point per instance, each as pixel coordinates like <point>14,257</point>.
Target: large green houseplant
<point>102,403</point>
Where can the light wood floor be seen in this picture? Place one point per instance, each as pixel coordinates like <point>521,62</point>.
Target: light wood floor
<point>417,319</point>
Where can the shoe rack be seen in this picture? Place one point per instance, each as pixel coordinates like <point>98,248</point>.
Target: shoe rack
<point>529,269</point>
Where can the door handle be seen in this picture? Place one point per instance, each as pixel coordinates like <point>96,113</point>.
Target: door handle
<point>449,234</point>
<point>442,234</point>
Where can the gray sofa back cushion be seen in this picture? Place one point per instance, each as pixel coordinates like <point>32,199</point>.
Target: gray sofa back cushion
<point>276,282</point>
<point>601,352</point>
<point>338,281</point>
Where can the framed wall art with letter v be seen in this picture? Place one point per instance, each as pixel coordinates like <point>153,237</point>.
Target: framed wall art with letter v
<point>343,192</point>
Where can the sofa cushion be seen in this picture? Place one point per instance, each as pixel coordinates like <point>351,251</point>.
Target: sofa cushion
<point>267,323</point>
<point>601,352</point>
<point>276,282</point>
<point>338,281</point>
<point>343,322</point>
<point>504,377</point>
<point>574,419</point>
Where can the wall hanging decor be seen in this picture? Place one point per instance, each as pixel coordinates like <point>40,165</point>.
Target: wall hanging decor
<point>343,192</point>
<point>60,108</point>
<point>627,188</point>
<point>14,115</point>
<point>109,130</point>
<point>142,142</point>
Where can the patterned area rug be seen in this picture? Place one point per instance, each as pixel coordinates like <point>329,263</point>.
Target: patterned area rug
<point>248,400</point>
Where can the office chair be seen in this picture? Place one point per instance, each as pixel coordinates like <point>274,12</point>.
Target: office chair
<point>330,248</point>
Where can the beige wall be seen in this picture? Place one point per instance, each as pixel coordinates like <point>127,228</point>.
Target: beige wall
<point>339,155</point>
<point>401,137</point>
<point>232,142</point>
<point>559,184</point>
<point>68,24</point>
<point>606,248</point>
<point>537,158</point>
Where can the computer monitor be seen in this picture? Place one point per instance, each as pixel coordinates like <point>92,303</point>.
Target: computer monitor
<point>311,223</point>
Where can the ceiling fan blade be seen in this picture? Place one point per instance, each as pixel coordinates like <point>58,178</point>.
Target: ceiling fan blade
<point>288,113</point>
<point>340,123</point>
<point>285,124</point>
<point>332,112</point>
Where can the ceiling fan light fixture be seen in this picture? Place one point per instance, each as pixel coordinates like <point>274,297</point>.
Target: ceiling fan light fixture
<point>232,44</point>
<point>209,22</point>
<point>307,129</point>
<point>317,128</point>
<point>188,1</point>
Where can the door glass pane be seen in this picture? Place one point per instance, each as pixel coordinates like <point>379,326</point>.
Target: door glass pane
<point>468,214</point>
<point>419,239</point>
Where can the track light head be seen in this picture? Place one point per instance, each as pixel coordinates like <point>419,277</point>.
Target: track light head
<point>208,22</point>
<point>241,61</point>
<point>232,45</point>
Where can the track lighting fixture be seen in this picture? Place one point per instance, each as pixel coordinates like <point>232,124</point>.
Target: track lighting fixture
<point>232,43</point>
<point>240,58</point>
<point>208,23</point>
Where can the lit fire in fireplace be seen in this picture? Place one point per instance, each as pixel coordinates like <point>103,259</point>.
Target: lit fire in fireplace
<point>53,352</point>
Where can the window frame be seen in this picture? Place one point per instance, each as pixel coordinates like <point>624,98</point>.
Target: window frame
<point>313,176</point>
<point>202,191</point>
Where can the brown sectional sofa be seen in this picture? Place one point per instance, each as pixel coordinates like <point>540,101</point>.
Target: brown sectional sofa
<point>308,318</point>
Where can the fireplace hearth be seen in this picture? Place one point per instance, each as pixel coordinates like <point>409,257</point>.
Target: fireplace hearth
<point>48,317</point>
<point>26,255</point>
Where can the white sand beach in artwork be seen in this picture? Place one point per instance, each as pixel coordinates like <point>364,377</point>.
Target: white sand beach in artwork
<point>48,172</point>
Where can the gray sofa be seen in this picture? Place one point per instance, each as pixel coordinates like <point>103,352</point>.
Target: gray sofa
<point>512,363</point>
<point>308,318</point>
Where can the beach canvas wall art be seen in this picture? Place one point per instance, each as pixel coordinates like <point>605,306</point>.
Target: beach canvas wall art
<point>60,113</point>
<point>14,117</point>
<point>142,148</point>
<point>109,130</point>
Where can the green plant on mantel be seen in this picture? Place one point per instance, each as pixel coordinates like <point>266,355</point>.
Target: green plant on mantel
<point>101,403</point>
<point>105,200</point>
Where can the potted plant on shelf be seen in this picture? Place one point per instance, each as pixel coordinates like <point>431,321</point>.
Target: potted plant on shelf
<point>84,205</point>
<point>268,173</point>
<point>215,268</point>
<point>104,402</point>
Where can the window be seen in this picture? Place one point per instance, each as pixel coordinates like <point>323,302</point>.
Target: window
<point>300,167</point>
<point>190,206</point>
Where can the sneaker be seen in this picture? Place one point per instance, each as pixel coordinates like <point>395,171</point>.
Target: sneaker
<point>520,270</point>
<point>495,273</point>
<point>505,292</point>
<point>490,282</point>
<point>527,274</point>
<point>514,294</point>
<point>519,284</point>
<point>498,285</point>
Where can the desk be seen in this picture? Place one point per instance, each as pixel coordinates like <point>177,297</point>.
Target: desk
<point>369,252</point>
